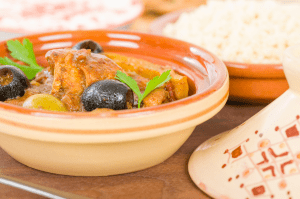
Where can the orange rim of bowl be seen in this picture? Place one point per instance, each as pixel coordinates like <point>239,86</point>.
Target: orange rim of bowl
<point>220,80</point>
<point>257,71</point>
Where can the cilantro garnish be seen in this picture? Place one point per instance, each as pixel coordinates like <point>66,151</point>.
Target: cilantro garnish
<point>23,53</point>
<point>151,85</point>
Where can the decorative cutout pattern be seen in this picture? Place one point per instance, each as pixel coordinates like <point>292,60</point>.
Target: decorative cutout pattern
<point>270,165</point>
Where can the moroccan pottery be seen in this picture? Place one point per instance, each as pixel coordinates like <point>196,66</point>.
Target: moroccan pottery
<point>261,157</point>
<point>114,142</point>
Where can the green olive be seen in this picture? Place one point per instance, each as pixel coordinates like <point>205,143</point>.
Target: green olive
<point>45,102</point>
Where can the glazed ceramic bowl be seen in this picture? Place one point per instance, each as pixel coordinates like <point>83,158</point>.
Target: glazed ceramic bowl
<point>99,144</point>
<point>22,17</point>
<point>256,83</point>
<point>250,83</point>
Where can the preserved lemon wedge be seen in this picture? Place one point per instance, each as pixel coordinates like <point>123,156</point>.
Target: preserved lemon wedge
<point>45,102</point>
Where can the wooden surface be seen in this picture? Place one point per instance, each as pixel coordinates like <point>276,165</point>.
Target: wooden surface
<point>168,180</point>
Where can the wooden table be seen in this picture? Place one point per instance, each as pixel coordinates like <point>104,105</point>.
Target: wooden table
<point>168,180</point>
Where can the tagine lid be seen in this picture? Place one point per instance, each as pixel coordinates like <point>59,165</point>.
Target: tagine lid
<point>261,157</point>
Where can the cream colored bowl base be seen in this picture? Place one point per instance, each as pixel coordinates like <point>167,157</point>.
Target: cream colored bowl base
<point>108,154</point>
<point>106,159</point>
<point>99,144</point>
<point>261,157</point>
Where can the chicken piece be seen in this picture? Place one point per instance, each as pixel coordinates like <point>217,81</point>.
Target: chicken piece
<point>156,97</point>
<point>140,80</point>
<point>180,85</point>
<point>149,70</point>
<point>76,70</point>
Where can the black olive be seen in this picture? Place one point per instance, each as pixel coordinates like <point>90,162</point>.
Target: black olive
<point>110,94</point>
<point>88,44</point>
<point>13,82</point>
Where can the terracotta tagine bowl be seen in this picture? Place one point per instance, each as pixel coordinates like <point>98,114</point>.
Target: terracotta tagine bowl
<point>261,157</point>
<point>109,143</point>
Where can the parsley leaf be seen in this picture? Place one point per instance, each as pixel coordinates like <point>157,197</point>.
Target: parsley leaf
<point>129,82</point>
<point>23,53</point>
<point>151,85</point>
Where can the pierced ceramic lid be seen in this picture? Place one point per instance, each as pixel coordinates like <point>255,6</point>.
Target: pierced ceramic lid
<point>261,157</point>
